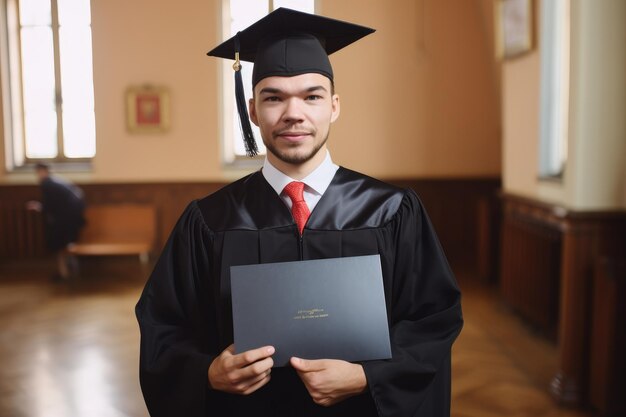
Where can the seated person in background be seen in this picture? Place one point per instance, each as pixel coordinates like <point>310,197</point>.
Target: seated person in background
<point>63,209</point>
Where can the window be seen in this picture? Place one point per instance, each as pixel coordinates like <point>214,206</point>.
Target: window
<point>48,80</point>
<point>554,106</point>
<point>236,16</point>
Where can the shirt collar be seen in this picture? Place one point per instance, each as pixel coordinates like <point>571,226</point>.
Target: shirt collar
<point>316,182</point>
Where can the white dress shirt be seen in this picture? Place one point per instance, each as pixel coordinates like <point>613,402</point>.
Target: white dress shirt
<point>315,184</point>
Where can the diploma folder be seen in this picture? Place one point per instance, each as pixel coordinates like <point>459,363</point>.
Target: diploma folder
<point>318,309</point>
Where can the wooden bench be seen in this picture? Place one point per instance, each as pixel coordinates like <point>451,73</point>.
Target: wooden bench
<point>117,229</point>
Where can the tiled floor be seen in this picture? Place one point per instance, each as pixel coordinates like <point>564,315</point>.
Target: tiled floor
<point>71,350</point>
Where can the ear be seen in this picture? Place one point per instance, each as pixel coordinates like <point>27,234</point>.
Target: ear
<point>252,112</point>
<point>336,108</point>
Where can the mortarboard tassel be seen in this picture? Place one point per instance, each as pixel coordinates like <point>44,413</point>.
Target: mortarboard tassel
<point>242,107</point>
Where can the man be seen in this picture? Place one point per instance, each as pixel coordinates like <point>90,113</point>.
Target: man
<point>63,208</point>
<point>300,206</point>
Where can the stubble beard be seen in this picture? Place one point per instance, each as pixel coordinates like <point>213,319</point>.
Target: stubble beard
<point>295,158</point>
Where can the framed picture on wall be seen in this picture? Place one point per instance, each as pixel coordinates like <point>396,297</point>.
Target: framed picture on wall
<point>514,27</point>
<point>147,109</point>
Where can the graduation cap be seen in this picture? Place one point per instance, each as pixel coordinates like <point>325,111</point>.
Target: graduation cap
<point>285,43</point>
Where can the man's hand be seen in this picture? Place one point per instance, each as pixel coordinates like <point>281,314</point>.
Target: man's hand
<point>33,205</point>
<point>330,381</point>
<point>242,373</point>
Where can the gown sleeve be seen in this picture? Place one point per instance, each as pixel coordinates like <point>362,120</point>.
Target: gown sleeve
<point>174,349</point>
<point>425,319</point>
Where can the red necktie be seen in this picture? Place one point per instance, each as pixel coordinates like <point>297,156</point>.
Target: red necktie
<point>299,209</point>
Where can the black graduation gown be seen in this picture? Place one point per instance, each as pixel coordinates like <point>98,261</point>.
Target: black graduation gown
<point>185,313</point>
<point>63,211</point>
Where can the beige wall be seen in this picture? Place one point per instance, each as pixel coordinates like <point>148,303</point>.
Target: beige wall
<point>595,178</point>
<point>520,123</point>
<point>420,92</point>
<point>598,119</point>
<point>161,43</point>
<point>420,97</point>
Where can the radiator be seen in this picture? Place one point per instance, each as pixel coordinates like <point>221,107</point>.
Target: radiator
<point>21,232</point>
<point>531,269</point>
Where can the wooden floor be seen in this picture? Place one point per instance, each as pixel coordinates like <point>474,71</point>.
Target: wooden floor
<point>71,349</point>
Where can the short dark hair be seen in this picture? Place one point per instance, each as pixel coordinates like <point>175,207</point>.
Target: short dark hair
<point>42,165</point>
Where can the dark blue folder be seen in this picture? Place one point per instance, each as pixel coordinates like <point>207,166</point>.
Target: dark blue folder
<point>319,309</point>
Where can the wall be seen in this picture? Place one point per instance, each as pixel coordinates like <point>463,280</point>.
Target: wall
<point>597,121</point>
<point>162,43</point>
<point>570,233</point>
<point>424,82</point>
<point>520,124</point>
<point>595,178</point>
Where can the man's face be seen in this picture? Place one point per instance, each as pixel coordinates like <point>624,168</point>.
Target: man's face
<point>42,173</point>
<point>294,116</point>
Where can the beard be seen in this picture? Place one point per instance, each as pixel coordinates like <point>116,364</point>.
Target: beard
<point>293,156</point>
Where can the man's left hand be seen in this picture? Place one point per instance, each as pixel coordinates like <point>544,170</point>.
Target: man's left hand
<point>330,381</point>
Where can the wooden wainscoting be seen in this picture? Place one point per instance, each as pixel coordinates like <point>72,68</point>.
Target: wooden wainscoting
<point>546,247</point>
<point>464,212</point>
<point>20,230</point>
<point>607,367</point>
<point>466,215</point>
<point>531,264</point>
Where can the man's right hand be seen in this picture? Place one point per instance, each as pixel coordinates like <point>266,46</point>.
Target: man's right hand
<point>33,205</point>
<point>241,373</point>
